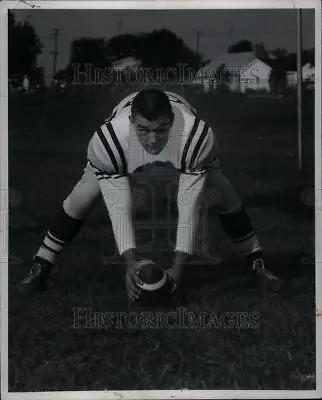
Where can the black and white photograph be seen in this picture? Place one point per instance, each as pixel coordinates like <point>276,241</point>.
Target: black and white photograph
<point>162,200</point>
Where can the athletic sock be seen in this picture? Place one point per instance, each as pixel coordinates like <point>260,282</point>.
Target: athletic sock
<point>62,231</point>
<point>240,231</point>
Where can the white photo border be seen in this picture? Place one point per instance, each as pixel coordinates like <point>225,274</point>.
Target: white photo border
<point>4,193</point>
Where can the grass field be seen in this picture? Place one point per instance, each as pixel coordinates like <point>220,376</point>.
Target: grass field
<point>47,352</point>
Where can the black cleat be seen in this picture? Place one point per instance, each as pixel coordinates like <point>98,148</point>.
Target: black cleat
<point>36,280</point>
<point>264,277</point>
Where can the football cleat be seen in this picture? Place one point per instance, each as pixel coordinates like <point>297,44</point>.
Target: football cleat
<point>36,280</point>
<point>265,277</point>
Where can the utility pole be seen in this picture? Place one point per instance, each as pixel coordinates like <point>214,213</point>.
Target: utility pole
<point>119,25</point>
<point>55,52</point>
<point>199,33</point>
<point>299,89</point>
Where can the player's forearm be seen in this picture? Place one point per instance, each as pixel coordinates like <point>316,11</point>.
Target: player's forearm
<point>181,259</point>
<point>117,197</point>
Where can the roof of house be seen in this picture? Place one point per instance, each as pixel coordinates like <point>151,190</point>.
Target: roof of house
<point>243,59</point>
<point>231,60</point>
<point>126,63</point>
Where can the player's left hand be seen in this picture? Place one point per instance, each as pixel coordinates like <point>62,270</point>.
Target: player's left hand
<point>176,273</point>
<point>178,287</point>
<point>174,279</point>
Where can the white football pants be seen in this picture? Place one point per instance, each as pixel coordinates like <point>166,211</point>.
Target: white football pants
<point>87,190</point>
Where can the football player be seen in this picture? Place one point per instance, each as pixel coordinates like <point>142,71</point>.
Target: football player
<point>146,127</point>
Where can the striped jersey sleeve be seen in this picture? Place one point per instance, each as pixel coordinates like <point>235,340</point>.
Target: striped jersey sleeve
<point>105,153</point>
<point>179,100</point>
<point>126,102</point>
<point>199,152</point>
<point>199,155</point>
<point>106,156</point>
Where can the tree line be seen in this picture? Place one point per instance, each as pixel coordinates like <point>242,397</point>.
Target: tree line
<point>24,46</point>
<point>157,49</point>
<point>261,52</point>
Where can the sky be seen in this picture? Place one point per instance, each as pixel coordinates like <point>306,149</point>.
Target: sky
<point>219,28</point>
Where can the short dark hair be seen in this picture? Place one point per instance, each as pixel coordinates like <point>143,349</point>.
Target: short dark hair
<point>151,104</point>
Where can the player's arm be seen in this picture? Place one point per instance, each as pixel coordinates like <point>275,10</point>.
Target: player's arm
<point>111,171</point>
<point>196,162</point>
<point>204,176</point>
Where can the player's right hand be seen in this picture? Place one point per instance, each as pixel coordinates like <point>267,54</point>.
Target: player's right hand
<point>132,281</point>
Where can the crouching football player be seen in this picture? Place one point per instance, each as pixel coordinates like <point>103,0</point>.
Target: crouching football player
<point>146,127</point>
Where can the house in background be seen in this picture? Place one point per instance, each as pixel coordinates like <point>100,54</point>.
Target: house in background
<point>289,68</point>
<point>125,70</point>
<point>239,71</point>
<point>127,63</point>
<point>308,75</point>
<point>244,71</point>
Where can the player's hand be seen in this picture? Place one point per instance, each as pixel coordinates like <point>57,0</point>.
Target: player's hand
<point>132,258</point>
<point>132,281</point>
<point>174,279</point>
<point>178,288</point>
<point>176,273</point>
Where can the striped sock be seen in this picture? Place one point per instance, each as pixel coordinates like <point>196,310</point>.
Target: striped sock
<point>50,248</point>
<point>63,230</point>
<point>239,229</point>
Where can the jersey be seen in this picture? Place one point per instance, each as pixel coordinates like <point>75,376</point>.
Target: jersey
<point>115,150</point>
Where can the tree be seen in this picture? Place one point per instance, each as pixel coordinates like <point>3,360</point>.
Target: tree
<point>61,75</point>
<point>309,56</point>
<point>127,45</point>
<point>291,58</point>
<point>89,50</point>
<point>205,62</point>
<point>23,47</point>
<point>242,46</point>
<point>277,78</point>
<point>164,48</point>
<point>157,49</point>
<point>279,53</point>
<point>223,77</point>
<point>260,50</point>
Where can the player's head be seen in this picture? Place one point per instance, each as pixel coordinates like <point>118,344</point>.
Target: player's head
<point>152,118</point>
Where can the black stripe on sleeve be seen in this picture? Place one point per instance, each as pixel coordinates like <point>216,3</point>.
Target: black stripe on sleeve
<point>110,128</point>
<point>108,149</point>
<point>129,103</point>
<point>97,171</point>
<point>91,164</point>
<point>106,176</point>
<point>110,117</point>
<point>174,99</point>
<point>188,142</point>
<point>199,144</point>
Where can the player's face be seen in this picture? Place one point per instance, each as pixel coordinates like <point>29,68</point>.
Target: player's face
<point>153,135</point>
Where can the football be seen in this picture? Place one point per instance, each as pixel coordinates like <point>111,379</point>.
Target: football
<point>155,287</point>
